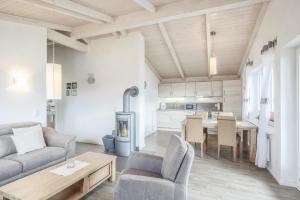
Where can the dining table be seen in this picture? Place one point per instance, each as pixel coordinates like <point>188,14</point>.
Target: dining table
<point>242,126</point>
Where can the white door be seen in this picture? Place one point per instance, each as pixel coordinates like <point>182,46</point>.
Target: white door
<point>178,89</point>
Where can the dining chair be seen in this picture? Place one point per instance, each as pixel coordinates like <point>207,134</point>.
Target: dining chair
<point>195,133</point>
<point>226,114</point>
<point>203,114</point>
<point>227,134</point>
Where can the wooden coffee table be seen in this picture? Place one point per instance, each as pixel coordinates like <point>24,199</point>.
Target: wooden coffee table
<point>47,185</point>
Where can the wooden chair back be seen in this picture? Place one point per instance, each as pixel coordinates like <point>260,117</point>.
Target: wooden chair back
<point>227,131</point>
<point>204,115</point>
<point>194,129</point>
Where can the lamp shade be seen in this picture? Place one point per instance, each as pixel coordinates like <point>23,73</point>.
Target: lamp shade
<point>53,81</point>
<point>213,66</point>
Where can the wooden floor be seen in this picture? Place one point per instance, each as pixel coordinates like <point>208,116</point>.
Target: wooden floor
<point>210,179</point>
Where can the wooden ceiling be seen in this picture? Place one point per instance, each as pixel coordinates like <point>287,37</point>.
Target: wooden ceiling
<point>176,32</point>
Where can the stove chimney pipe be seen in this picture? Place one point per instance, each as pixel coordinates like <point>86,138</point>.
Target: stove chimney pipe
<point>129,92</point>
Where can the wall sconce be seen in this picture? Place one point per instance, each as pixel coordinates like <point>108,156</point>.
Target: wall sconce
<point>19,81</point>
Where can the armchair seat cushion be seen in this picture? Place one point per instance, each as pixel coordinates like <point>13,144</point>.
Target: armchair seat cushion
<point>138,172</point>
<point>173,158</point>
<point>134,187</point>
<point>9,169</point>
<point>38,158</point>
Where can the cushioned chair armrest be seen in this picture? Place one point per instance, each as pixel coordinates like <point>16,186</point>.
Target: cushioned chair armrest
<point>133,187</point>
<point>55,139</point>
<point>143,161</point>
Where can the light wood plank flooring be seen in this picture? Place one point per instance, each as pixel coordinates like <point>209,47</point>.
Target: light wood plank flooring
<point>210,179</point>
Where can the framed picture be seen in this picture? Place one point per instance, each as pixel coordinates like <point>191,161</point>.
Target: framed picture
<point>69,86</point>
<point>67,93</point>
<point>73,92</point>
<point>74,85</point>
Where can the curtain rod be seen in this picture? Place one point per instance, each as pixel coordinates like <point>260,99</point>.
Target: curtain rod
<point>271,44</point>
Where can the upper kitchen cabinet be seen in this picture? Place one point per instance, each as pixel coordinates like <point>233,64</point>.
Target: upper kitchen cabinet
<point>216,88</point>
<point>165,90</point>
<point>178,89</point>
<point>203,89</point>
<point>190,89</point>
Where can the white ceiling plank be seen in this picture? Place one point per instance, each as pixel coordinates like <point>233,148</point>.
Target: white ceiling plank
<point>66,41</point>
<point>165,13</point>
<point>171,48</point>
<point>72,9</point>
<point>208,43</point>
<point>200,79</point>
<point>253,35</point>
<point>146,4</point>
<point>152,68</point>
<point>34,22</point>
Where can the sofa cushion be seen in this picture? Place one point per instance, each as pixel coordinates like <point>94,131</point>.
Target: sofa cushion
<point>28,139</point>
<point>7,146</point>
<point>173,158</point>
<point>37,158</point>
<point>138,172</point>
<point>9,169</point>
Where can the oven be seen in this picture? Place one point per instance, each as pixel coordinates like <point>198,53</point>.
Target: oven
<point>191,106</point>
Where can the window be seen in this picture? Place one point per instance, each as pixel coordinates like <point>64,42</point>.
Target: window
<point>255,78</point>
<point>255,81</point>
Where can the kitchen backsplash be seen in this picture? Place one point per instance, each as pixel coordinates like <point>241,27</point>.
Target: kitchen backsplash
<point>199,106</point>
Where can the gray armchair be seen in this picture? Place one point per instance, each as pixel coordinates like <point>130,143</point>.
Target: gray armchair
<point>149,177</point>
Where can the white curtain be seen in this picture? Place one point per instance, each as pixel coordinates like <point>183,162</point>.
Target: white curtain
<point>246,99</point>
<point>265,107</point>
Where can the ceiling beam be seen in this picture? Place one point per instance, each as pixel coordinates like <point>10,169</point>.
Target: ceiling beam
<point>171,48</point>
<point>146,4</point>
<point>66,41</point>
<point>253,35</point>
<point>152,68</point>
<point>208,43</point>
<point>34,22</point>
<point>165,13</point>
<point>72,9</point>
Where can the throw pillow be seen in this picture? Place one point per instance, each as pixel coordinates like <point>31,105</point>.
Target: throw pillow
<point>28,139</point>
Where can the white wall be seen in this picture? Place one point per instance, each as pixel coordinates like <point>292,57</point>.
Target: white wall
<point>22,54</point>
<point>282,21</point>
<point>151,101</point>
<point>117,65</point>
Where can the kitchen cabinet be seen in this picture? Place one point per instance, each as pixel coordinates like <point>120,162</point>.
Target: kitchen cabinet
<point>216,88</point>
<point>190,89</point>
<point>163,119</point>
<point>232,97</point>
<point>203,89</point>
<point>178,89</point>
<point>165,90</point>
